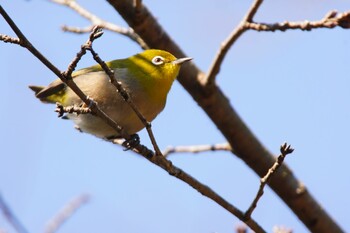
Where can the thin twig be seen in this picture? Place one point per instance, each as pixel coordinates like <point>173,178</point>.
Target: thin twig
<point>285,150</point>
<point>96,21</point>
<point>77,30</point>
<point>197,148</point>
<point>126,96</point>
<point>60,109</point>
<point>9,39</point>
<point>67,78</point>
<point>226,45</point>
<point>66,213</point>
<point>10,216</point>
<point>331,20</point>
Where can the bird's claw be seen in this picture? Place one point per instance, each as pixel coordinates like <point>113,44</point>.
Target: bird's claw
<point>132,142</point>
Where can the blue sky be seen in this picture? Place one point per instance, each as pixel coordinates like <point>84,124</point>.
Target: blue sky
<point>288,86</point>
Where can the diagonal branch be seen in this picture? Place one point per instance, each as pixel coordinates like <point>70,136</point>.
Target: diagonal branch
<point>10,216</point>
<point>226,45</point>
<point>96,21</point>
<point>126,96</point>
<point>65,213</point>
<point>285,150</point>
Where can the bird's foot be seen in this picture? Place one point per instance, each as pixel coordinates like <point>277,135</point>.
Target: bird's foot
<point>132,142</point>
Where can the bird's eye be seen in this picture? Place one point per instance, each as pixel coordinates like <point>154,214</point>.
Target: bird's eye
<point>158,60</point>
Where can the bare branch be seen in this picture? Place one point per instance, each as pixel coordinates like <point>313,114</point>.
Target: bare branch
<point>96,21</point>
<point>285,150</point>
<point>226,45</point>
<point>9,39</point>
<point>10,216</point>
<point>331,20</point>
<point>77,30</point>
<point>252,11</point>
<point>67,78</point>
<point>60,109</point>
<point>125,96</point>
<point>66,213</point>
<point>197,148</point>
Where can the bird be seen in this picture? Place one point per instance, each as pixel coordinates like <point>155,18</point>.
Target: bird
<point>147,77</point>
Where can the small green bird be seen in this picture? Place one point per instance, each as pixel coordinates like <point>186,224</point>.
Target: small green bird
<point>147,77</point>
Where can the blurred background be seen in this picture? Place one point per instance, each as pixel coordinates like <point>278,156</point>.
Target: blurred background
<point>287,86</point>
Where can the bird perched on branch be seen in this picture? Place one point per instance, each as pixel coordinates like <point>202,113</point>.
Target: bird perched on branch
<point>147,77</point>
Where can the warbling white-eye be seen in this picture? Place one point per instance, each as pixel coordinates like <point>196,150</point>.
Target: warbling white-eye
<point>147,77</point>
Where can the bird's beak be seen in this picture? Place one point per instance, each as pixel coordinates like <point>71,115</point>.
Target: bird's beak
<point>181,60</point>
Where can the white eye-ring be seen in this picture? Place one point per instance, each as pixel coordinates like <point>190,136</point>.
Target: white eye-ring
<point>158,60</point>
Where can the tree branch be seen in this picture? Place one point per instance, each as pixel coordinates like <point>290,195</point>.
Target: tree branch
<point>285,150</point>
<point>9,39</point>
<point>126,98</point>
<point>196,148</point>
<point>10,216</point>
<point>96,21</point>
<point>65,213</point>
<point>60,109</point>
<point>226,119</point>
<point>226,45</point>
<point>331,20</point>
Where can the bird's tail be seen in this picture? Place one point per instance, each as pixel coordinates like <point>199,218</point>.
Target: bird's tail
<point>53,98</point>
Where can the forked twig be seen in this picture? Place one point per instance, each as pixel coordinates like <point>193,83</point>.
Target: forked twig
<point>225,46</point>
<point>285,150</point>
<point>331,20</point>
<point>96,21</point>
